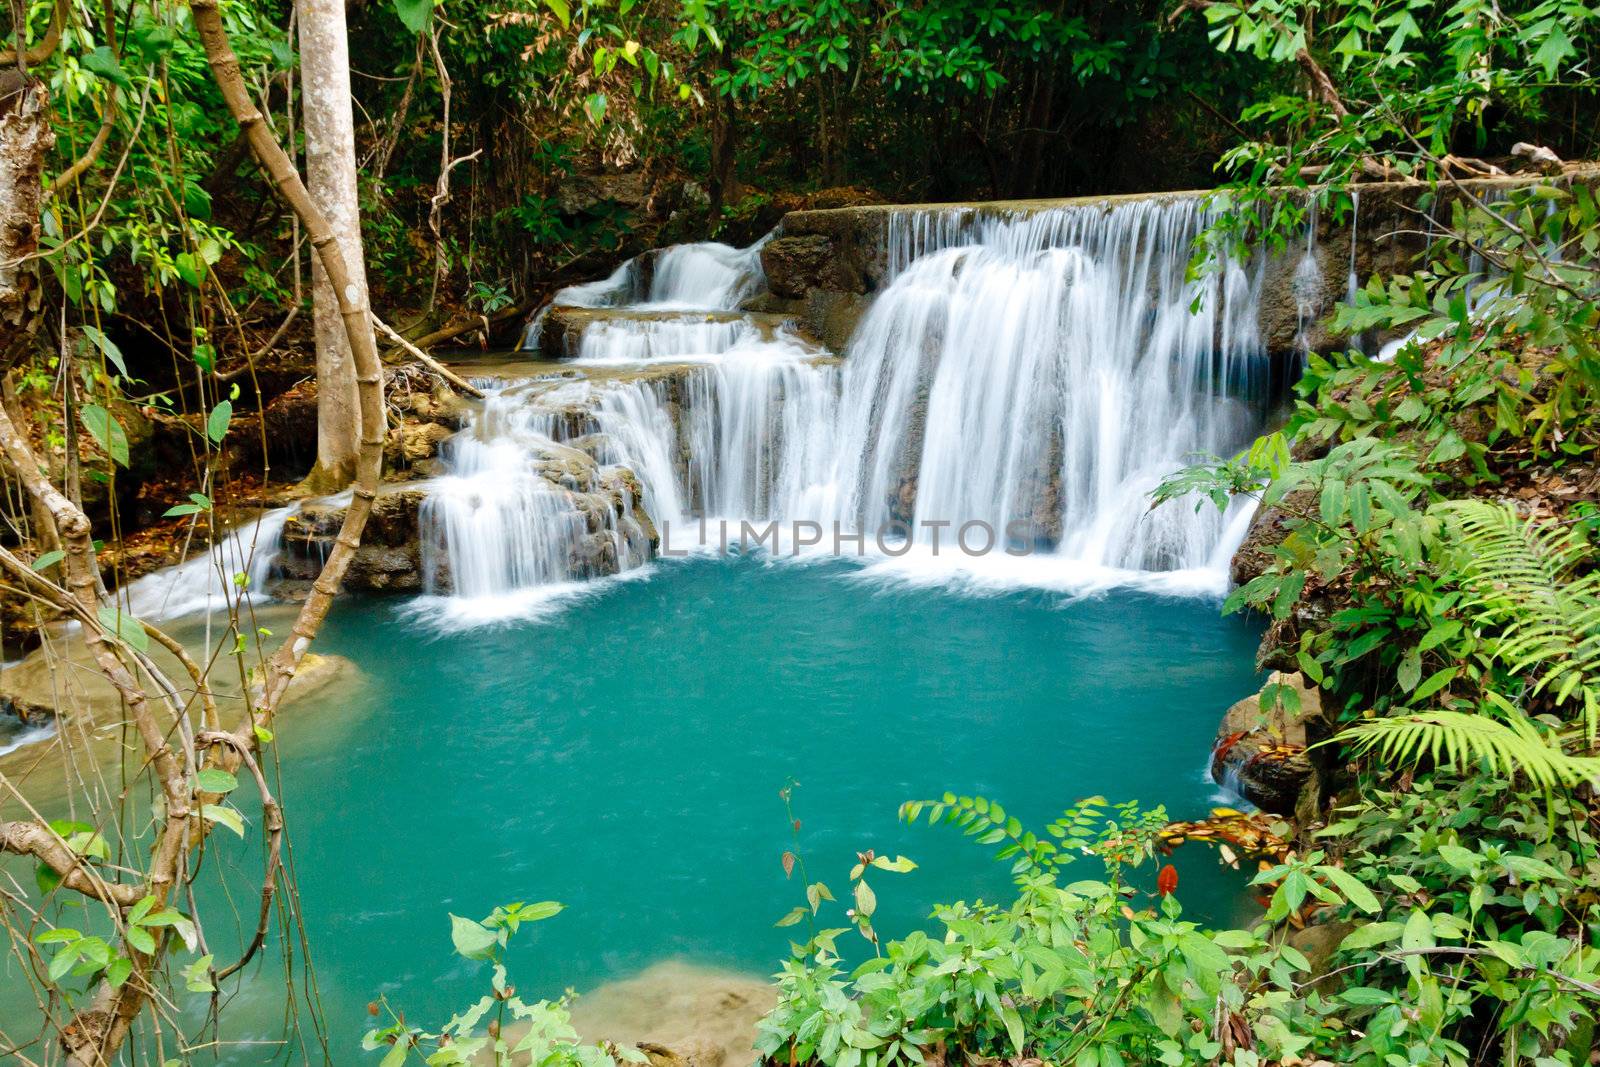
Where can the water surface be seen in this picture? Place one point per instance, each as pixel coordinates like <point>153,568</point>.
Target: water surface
<point>625,757</point>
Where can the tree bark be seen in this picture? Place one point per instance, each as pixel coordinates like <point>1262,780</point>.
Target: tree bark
<point>331,180</point>
<point>25,140</point>
<point>724,136</point>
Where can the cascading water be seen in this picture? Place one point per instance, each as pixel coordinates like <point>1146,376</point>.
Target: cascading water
<point>1037,373</point>
<point>523,512</point>
<point>624,341</point>
<point>207,582</point>
<point>688,277</point>
<point>1064,363</point>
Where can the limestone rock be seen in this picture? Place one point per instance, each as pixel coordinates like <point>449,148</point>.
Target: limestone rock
<point>585,192</point>
<point>412,442</point>
<point>290,422</point>
<point>796,264</point>
<point>687,1015</point>
<point>1317,943</point>
<point>1261,752</point>
<point>390,555</point>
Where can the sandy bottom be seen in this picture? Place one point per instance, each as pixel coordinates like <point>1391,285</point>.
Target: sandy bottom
<point>706,1016</point>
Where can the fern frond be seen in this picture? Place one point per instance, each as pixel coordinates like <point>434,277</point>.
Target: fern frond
<point>1518,577</point>
<point>1512,747</point>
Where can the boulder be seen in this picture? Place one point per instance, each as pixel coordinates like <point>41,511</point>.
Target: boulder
<point>687,1015</point>
<point>290,422</point>
<point>413,442</point>
<point>1317,943</point>
<point>389,557</point>
<point>1260,751</point>
<point>586,192</point>
<point>794,265</point>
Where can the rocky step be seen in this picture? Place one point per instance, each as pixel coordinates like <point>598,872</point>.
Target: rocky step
<point>561,336</point>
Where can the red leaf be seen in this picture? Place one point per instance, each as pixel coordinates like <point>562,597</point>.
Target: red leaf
<point>788,864</point>
<point>1167,880</point>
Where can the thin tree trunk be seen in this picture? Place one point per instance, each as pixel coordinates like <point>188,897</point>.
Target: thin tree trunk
<point>99,1031</point>
<point>331,180</point>
<point>724,137</point>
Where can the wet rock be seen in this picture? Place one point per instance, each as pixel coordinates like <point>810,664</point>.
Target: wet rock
<point>290,422</point>
<point>389,558</point>
<point>795,264</point>
<point>25,711</point>
<point>1261,751</point>
<point>413,442</point>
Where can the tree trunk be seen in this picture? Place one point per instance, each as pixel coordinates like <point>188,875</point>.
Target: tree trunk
<point>25,139</point>
<point>331,180</point>
<point>724,136</point>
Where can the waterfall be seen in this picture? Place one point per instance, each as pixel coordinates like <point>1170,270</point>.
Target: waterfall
<point>1036,372</point>
<point>525,509</point>
<point>706,276</point>
<point>1046,376</point>
<point>207,582</point>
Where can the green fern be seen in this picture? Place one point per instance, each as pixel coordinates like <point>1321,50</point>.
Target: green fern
<point>1513,746</point>
<point>1519,577</point>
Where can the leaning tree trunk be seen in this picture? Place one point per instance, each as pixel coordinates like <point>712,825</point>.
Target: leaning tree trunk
<point>331,180</point>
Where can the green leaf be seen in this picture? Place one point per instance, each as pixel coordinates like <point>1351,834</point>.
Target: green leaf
<point>63,961</point>
<point>107,347</point>
<point>48,560</point>
<point>1418,931</point>
<point>127,628</point>
<point>197,976</point>
<point>866,900</point>
<point>414,13</point>
<point>563,12</point>
<point>472,939</point>
<point>141,939</point>
<point>794,916</point>
<point>217,780</point>
<point>544,909</point>
<point>1013,1020</point>
<point>217,422</point>
<point>117,971</point>
<point>1352,888</point>
<point>190,268</point>
<point>595,107</point>
<point>1435,682</point>
<point>103,63</point>
<point>107,432</point>
<point>1557,46</point>
<point>223,815</point>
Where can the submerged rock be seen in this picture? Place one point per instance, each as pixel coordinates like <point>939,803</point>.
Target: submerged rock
<point>679,1014</point>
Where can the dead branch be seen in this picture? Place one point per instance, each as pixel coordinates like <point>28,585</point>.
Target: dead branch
<point>428,361</point>
<point>47,44</point>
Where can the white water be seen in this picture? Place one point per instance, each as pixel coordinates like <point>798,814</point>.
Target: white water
<point>707,276</point>
<point>1037,373</point>
<point>207,582</point>
<point>623,341</point>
